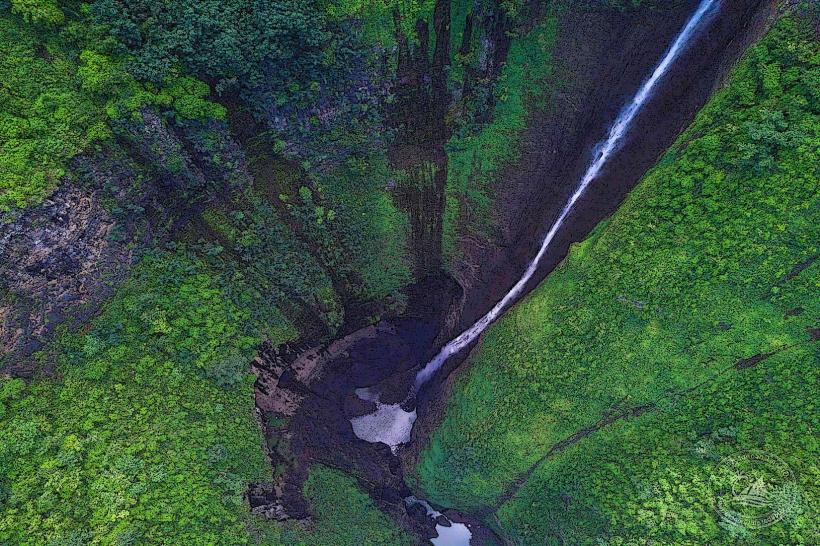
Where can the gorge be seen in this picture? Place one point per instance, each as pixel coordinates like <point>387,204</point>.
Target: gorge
<point>391,424</point>
<point>359,272</point>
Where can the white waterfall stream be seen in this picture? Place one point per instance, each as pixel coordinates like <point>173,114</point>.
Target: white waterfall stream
<point>390,423</point>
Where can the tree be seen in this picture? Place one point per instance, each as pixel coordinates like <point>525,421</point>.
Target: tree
<point>38,11</point>
<point>286,44</point>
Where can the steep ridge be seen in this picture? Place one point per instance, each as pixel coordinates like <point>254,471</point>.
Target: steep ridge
<point>601,153</point>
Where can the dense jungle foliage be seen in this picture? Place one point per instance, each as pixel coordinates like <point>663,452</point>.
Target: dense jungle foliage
<point>62,89</point>
<point>148,433</point>
<point>684,328</point>
<point>149,436</point>
<point>143,431</point>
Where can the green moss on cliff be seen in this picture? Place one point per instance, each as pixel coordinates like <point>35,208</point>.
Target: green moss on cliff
<point>477,155</point>
<point>344,515</point>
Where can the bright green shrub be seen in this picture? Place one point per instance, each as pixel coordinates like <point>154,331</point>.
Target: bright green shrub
<point>148,437</point>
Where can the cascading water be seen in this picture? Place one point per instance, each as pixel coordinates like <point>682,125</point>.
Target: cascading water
<point>391,424</point>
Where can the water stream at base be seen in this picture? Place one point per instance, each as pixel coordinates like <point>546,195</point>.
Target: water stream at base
<point>391,424</point>
<point>452,534</point>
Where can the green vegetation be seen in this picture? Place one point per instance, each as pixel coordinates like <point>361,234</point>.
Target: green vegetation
<point>709,262</point>
<point>344,515</point>
<point>45,116</point>
<point>349,242</point>
<point>682,326</point>
<point>377,19</point>
<point>369,225</point>
<point>477,154</point>
<point>61,87</point>
<point>148,435</point>
<point>257,253</point>
<point>284,46</point>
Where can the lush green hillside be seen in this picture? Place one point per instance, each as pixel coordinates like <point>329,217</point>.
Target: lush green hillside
<point>641,333</point>
<point>148,436</point>
<point>344,515</point>
<point>148,433</point>
<point>242,172</point>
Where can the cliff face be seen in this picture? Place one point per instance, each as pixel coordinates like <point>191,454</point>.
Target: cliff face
<point>334,210</point>
<point>595,83</point>
<point>61,259</point>
<point>56,261</point>
<point>601,57</point>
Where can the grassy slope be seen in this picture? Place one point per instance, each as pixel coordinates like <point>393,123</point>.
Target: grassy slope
<point>149,437</point>
<point>345,516</point>
<point>691,275</point>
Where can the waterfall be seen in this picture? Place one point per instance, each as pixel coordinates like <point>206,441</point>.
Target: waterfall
<point>602,152</point>
<point>391,424</point>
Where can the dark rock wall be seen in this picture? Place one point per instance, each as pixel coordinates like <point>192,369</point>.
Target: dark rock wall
<point>56,261</point>
<point>61,259</point>
<point>602,57</point>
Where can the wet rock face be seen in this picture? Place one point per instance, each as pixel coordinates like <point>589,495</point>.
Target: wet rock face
<point>56,262</point>
<point>314,391</point>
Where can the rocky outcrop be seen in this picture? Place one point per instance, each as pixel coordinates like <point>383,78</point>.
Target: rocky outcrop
<point>61,259</point>
<point>57,262</point>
